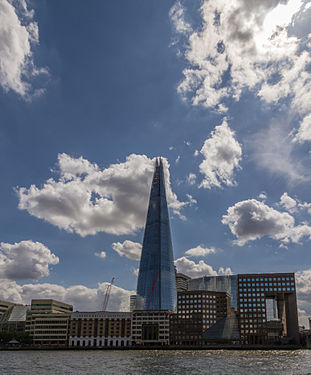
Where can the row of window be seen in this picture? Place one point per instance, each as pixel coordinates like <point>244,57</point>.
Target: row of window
<point>267,278</point>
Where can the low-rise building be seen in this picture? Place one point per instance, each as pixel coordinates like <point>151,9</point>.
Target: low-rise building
<point>100,329</point>
<point>48,322</point>
<point>151,327</point>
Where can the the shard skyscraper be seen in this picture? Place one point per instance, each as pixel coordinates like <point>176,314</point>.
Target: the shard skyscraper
<point>156,286</point>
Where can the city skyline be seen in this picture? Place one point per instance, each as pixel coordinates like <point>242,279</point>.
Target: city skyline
<point>90,97</point>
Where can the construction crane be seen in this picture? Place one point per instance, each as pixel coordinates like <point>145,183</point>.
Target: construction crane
<point>107,294</point>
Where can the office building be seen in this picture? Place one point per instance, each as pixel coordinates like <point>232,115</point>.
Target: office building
<point>151,327</point>
<point>5,305</point>
<point>268,308</point>
<point>48,322</point>
<point>226,283</point>
<point>182,282</point>
<point>156,286</point>
<point>14,319</point>
<point>132,302</point>
<point>100,329</point>
<point>196,312</point>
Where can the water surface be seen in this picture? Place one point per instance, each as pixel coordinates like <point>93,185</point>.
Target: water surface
<point>149,362</point>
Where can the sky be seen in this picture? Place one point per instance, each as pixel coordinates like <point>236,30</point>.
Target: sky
<point>91,95</point>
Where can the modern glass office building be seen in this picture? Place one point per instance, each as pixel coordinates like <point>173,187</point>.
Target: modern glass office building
<point>226,283</point>
<point>156,286</point>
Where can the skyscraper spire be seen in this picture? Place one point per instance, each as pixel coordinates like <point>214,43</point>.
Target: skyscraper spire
<point>156,286</point>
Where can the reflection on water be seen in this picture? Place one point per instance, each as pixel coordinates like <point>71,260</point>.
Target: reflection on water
<point>155,362</point>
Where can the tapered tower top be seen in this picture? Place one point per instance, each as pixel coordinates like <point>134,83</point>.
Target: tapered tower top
<point>156,286</point>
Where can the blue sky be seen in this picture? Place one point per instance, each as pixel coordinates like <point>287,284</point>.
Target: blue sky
<point>91,95</point>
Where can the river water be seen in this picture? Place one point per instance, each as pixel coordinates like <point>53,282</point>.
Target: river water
<point>155,362</point>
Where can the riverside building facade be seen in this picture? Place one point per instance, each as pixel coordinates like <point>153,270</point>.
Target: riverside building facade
<point>196,312</point>
<point>100,329</point>
<point>151,327</point>
<point>48,321</point>
<point>267,308</point>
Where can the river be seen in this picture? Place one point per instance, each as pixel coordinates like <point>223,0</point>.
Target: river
<point>149,362</point>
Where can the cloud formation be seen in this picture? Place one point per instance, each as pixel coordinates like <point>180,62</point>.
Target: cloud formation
<point>25,260</point>
<point>18,35</point>
<point>222,154</point>
<point>86,199</point>
<point>192,269</point>
<point>245,44</point>
<point>251,219</point>
<point>288,202</point>
<point>177,17</point>
<point>129,249</point>
<point>101,255</point>
<point>200,251</point>
<point>80,296</point>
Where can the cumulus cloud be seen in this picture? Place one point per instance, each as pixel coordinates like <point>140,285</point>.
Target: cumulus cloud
<point>25,260</point>
<point>86,199</point>
<point>245,44</point>
<point>222,154</point>
<point>192,269</point>
<point>101,255</point>
<point>18,35</point>
<point>251,219</point>
<point>129,249</point>
<point>200,251</point>
<point>80,296</point>
<point>288,202</point>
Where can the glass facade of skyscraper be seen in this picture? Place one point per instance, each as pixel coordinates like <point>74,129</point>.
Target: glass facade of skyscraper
<point>226,283</point>
<point>156,286</point>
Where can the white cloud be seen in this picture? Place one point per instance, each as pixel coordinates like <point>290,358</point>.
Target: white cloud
<point>177,17</point>
<point>222,153</point>
<point>101,255</point>
<point>245,44</point>
<point>224,271</point>
<point>177,159</point>
<point>129,249</point>
<point>191,178</point>
<point>191,200</point>
<point>80,296</point>
<point>288,202</point>
<point>25,260</point>
<point>18,34</point>
<point>304,131</point>
<point>200,251</point>
<point>262,195</point>
<point>86,199</point>
<point>251,219</point>
<point>192,269</point>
